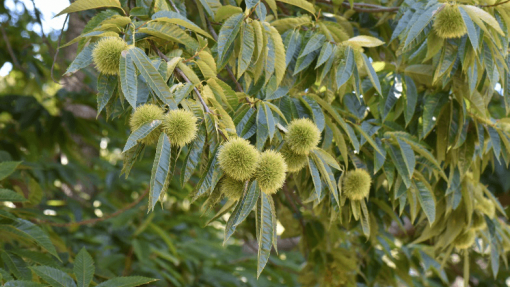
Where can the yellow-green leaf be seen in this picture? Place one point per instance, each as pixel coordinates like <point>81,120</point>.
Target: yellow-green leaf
<point>82,5</point>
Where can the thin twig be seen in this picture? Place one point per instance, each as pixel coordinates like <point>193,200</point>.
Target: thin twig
<point>175,7</point>
<point>358,7</point>
<point>96,220</point>
<point>58,48</point>
<point>45,39</point>
<point>494,5</point>
<point>10,50</point>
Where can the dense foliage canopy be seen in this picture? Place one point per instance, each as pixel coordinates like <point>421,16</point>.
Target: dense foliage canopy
<point>371,137</point>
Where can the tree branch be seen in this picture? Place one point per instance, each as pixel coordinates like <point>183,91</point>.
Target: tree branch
<point>58,48</point>
<point>358,7</point>
<point>494,5</point>
<point>96,220</point>
<point>10,50</point>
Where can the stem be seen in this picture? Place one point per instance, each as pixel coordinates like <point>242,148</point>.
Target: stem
<point>10,50</point>
<point>358,7</point>
<point>58,48</point>
<point>494,5</point>
<point>96,220</point>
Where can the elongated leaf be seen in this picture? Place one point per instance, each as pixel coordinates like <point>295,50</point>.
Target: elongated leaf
<point>400,164</point>
<point>326,52</point>
<point>303,4</point>
<point>407,155</point>
<point>327,158</point>
<point>82,5</point>
<point>228,34</point>
<point>16,266</point>
<point>371,141</point>
<point>32,232</point>
<point>54,277</point>
<point>316,178</point>
<point>411,99</point>
<point>242,209</point>
<point>427,200</point>
<point>22,283</point>
<point>471,30</point>
<point>152,77</point>
<point>247,48</point>
<point>315,109</point>
<point>313,44</point>
<point>365,218</point>
<point>170,32</point>
<point>160,175</point>
<point>131,281</point>
<point>84,268</point>
<point>82,60</point>
<point>106,85</point>
<point>279,51</point>
<point>474,11</point>
<point>211,6</point>
<point>265,216</point>
<point>209,179</point>
<point>128,79</point>
<point>365,41</point>
<point>7,168</point>
<point>371,74</point>
<point>176,18</point>
<point>9,195</point>
<point>193,157</point>
<point>431,109</point>
<point>345,69</point>
<point>140,134</point>
<point>420,24</point>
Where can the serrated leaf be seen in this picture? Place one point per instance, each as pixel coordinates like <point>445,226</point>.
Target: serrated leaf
<point>225,11</point>
<point>9,195</point>
<point>82,60</point>
<point>316,178</point>
<point>84,268</point>
<point>369,139</point>
<point>176,18</point>
<point>471,30</point>
<point>431,108</point>
<point>140,134</point>
<point>327,158</point>
<point>211,6</point>
<point>31,232</point>
<point>279,51</point>
<point>106,86</point>
<point>474,11</point>
<point>400,164</point>
<point>365,41</point>
<point>365,218</point>
<point>421,23</point>
<point>82,5</point>
<point>303,4</point>
<point>160,175</point>
<point>54,277</point>
<point>411,93</point>
<point>128,79</point>
<point>16,266</point>
<point>316,111</point>
<point>152,77</point>
<point>22,283</point>
<point>247,48</point>
<point>326,52</point>
<point>372,75</point>
<point>427,200</point>
<point>7,168</point>
<point>265,219</point>
<point>131,281</point>
<point>407,155</point>
<point>228,34</point>
<point>170,32</point>
<point>243,208</point>
<point>314,43</point>
<point>193,156</point>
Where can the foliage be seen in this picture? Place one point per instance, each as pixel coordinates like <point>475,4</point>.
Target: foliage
<point>410,97</point>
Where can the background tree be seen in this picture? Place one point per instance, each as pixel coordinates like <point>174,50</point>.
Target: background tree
<point>371,132</point>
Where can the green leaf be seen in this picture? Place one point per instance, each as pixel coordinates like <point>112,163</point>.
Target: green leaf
<point>9,195</point>
<point>82,5</point>
<point>427,199</point>
<point>326,52</point>
<point>408,155</point>
<point>345,69</point>
<point>279,50</point>
<point>161,174</point>
<point>170,32</point>
<point>176,18</point>
<point>82,60</point>
<point>22,283</point>
<point>474,11</point>
<point>365,218</point>
<point>128,79</point>
<point>471,30</point>
<point>106,86</point>
<point>262,127</point>
<point>400,164</point>
<point>326,175</point>
<point>316,178</point>
<point>32,232</point>
<point>265,219</point>
<point>16,266</point>
<point>421,23</point>
<point>140,134</point>
<point>210,178</point>
<point>327,158</point>
<point>131,281</point>
<point>153,78</point>
<point>211,6</point>
<point>7,168</point>
<point>54,277</point>
<point>193,156</point>
<point>84,268</point>
<point>313,44</point>
<point>242,209</point>
<point>225,11</point>
<point>316,111</point>
<point>365,41</point>
<point>303,4</point>
<point>372,74</point>
<point>432,106</point>
<point>247,48</point>
<point>228,34</point>
<point>369,139</point>
<point>411,93</point>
